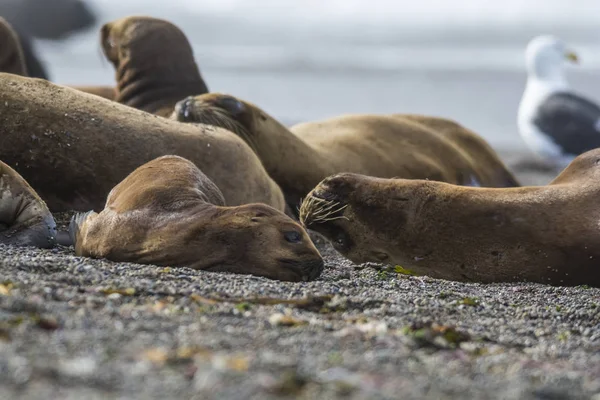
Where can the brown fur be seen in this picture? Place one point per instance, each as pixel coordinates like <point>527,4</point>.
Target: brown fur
<point>167,212</point>
<point>546,234</point>
<point>106,92</point>
<point>73,147</point>
<point>24,218</point>
<point>376,145</point>
<point>12,60</point>
<point>154,62</point>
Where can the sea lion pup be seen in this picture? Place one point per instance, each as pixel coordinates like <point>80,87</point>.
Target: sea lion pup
<point>73,147</point>
<point>547,234</point>
<point>377,145</point>
<point>167,212</point>
<point>12,60</point>
<point>154,62</point>
<point>24,218</point>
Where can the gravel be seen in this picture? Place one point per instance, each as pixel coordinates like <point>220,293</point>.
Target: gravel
<point>74,328</point>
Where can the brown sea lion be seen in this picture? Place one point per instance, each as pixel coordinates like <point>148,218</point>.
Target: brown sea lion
<point>12,60</point>
<point>489,165</point>
<point>73,147</point>
<point>154,62</point>
<point>378,145</point>
<point>167,212</point>
<point>548,234</point>
<point>24,218</point>
<point>107,92</point>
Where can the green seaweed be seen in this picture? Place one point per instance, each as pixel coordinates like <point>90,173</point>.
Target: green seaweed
<point>403,271</point>
<point>244,306</point>
<point>470,301</point>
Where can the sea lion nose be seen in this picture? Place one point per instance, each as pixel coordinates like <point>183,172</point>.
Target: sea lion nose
<point>313,270</point>
<point>184,108</point>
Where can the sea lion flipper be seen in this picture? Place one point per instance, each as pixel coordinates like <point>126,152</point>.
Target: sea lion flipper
<point>76,223</point>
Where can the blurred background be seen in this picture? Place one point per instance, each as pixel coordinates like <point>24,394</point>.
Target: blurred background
<point>307,59</point>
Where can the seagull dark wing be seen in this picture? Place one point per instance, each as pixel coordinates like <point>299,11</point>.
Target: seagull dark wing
<point>570,121</point>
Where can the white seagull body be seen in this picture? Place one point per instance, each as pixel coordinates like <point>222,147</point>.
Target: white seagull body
<point>554,122</point>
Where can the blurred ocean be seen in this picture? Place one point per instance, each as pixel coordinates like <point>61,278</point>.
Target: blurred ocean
<point>307,59</point>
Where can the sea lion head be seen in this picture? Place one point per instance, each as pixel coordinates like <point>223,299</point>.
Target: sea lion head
<point>11,52</point>
<point>346,209</point>
<point>225,111</point>
<point>136,38</point>
<point>154,63</point>
<point>262,241</point>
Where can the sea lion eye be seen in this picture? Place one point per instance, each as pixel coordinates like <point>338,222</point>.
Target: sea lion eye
<point>292,237</point>
<point>231,104</point>
<point>340,240</point>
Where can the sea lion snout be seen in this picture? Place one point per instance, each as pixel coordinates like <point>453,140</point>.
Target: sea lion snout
<point>328,200</point>
<point>336,187</point>
<point>306,270</point>
<point>184,109</point>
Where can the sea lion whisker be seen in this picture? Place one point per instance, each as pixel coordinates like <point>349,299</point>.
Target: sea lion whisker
<point>319,210</point>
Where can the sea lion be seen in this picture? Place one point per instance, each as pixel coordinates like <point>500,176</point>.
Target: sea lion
<point>154,62</point>
<point>547,234</point>
<point>481,154</point>
<point>107,92</point>
<point>12,60</point>
<point>167,212</point>
<point>378,145</point>
<point>24,217</point>
<point>73,147</point>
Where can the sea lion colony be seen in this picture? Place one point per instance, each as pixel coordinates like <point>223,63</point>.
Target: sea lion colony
<point>389,188</point>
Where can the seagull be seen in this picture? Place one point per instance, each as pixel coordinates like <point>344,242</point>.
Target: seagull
<point>556,123</point>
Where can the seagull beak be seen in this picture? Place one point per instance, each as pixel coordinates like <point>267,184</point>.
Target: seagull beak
<point>572,56</point>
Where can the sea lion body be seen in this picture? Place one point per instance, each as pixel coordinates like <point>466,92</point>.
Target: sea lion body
<point>12,59</point>
<point>377,145</point>
<point>107,92</point>
<point>73,147</point>
<point>24,218</point>
<point>489,165</point>
<point>547,234</point>
<point>167,212</point>
<point>154,62</point>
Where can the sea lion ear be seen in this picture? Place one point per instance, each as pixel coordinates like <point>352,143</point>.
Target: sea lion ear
<point>232,105</point>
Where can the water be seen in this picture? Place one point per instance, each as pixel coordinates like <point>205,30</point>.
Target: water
<point>309,59</point>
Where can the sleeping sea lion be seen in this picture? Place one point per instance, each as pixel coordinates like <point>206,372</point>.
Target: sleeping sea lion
<point>546,234</point>
<point>24,218</point>
<point>73,147</point>
<point>167,212</point>
<point>379,145</point>
<point>154,62</point>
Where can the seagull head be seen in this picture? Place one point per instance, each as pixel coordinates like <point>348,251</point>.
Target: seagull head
<point>545,57</point>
